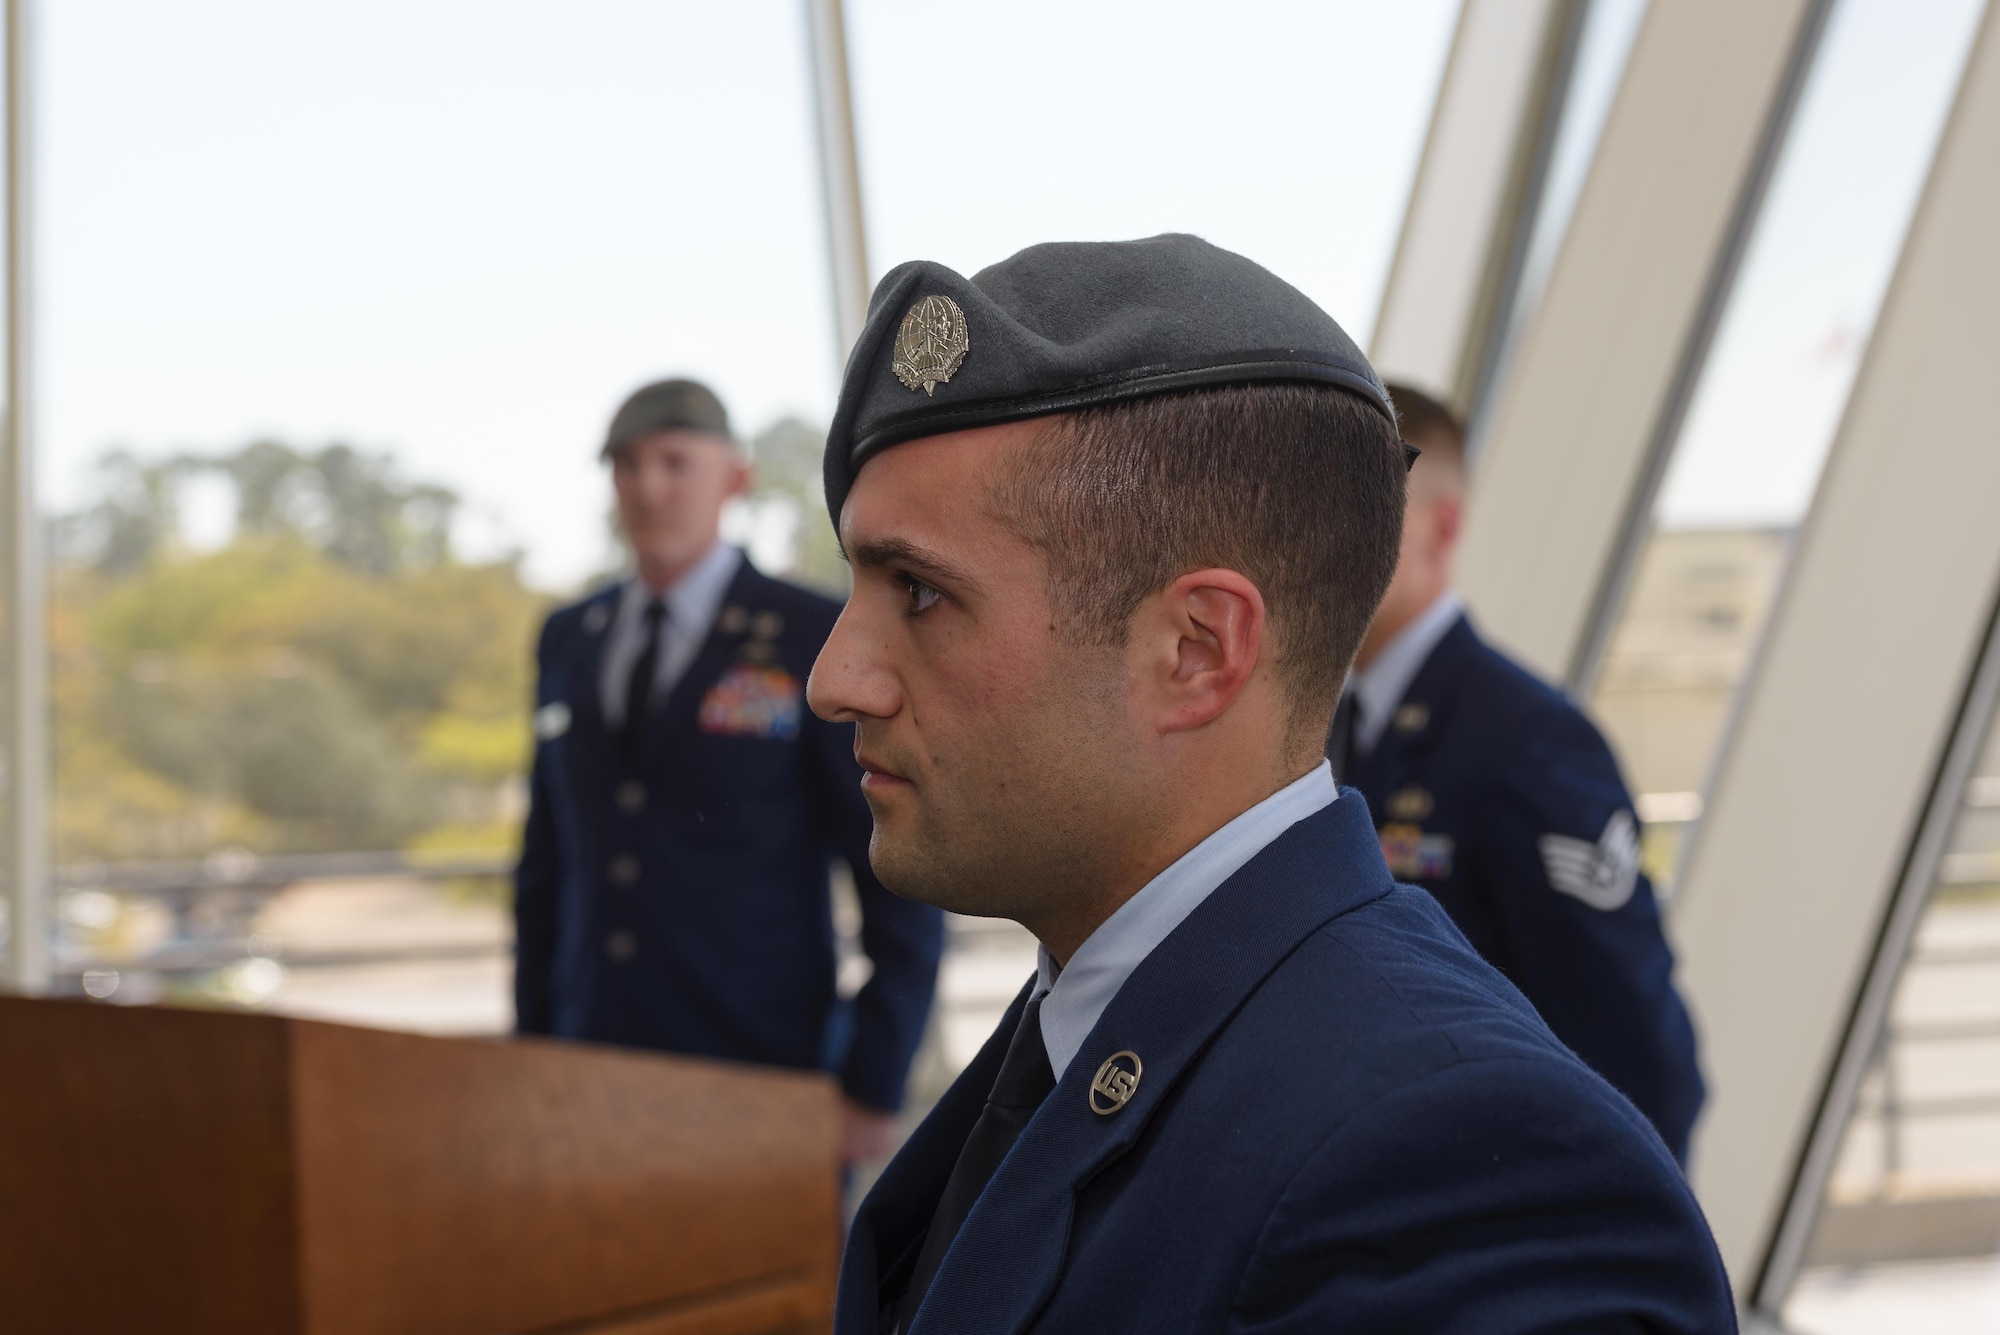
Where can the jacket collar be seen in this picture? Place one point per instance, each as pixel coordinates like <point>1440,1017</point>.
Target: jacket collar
<point>586,656</point>
<point>1167,1013</point>
<point>889,1227</point>
<point>1426,707</point>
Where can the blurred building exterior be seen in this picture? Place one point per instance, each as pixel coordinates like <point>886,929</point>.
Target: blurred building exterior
<point>1670,674</point>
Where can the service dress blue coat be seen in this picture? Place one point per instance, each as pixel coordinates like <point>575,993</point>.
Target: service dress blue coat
<point>685,908</point>
<point>1344,1120</point>
<point>1492,791</point>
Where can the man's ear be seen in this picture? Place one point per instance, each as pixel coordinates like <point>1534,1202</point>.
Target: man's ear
<point>1208,629</point>
<point>745,479</point>
<point>1450,520</point>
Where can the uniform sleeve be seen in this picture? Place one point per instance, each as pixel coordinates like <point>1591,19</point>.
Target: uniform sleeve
<point>902,938</point>
<point>1494,1197</point>
<point>1581,931</point>
<point>535,891</point>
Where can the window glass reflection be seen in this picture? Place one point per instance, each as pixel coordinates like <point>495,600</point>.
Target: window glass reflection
<point>1770,397</point>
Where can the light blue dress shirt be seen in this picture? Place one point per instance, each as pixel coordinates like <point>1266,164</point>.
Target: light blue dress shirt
<point>692,603</point>
<point>1379,689</point>
<point>1079,992</point>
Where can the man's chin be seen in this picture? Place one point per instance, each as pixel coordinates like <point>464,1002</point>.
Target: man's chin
<point>895,863</point>
<point>910,866</point>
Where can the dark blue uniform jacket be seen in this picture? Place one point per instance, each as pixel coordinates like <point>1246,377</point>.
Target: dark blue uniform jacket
<point>1345,1121</point>
<point>1492,791</point>
<point>689,912</point>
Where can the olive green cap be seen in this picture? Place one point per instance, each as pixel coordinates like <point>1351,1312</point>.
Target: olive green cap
<point>668,405</point>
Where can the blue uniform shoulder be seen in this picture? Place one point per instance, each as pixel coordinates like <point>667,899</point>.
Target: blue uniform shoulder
<point>566,622</point>
<point>1400,960</point>
<point>1533,717</point>
<point>1434,1118</point>
<point>797,604</point>
<point>1406,998</point>
<point>573,613</point>
<point>1508,686</point>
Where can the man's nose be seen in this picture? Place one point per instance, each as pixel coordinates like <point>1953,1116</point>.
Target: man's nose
<point>848,682</point>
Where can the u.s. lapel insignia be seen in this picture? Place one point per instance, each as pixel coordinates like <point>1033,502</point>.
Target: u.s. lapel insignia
<point>766,625</point>
<point>595,618</point>
<point>1113,1086</point>
<point>1411,803</point>
<point>1413,717</point>
<point>733,621</point>
<point>931,344</point>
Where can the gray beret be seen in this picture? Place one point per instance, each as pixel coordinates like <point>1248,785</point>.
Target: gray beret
<point>667,405</point>
<point>1069,325</point>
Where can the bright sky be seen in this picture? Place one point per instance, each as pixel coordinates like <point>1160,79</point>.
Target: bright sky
<point>1819,261</point>
<point>461,232</point>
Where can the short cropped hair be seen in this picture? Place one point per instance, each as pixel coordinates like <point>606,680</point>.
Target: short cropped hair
<point>1297,487</point>
<point>1428,423</point>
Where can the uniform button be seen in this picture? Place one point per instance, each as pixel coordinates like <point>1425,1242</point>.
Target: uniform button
<point>624,870</point>
<point>621,946</point>
<point>631,796</point>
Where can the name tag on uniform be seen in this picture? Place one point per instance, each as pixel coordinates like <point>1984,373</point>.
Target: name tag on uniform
<point>754,702</point>
<point>551,721</point>
<point>1413,855</point>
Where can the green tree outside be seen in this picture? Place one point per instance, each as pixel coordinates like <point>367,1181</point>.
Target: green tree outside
<point>334,677</point>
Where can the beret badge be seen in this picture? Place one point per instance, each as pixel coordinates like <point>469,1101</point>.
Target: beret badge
<point>931,344</point>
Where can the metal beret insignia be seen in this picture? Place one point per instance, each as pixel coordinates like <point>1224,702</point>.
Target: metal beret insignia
<point>931,344</point>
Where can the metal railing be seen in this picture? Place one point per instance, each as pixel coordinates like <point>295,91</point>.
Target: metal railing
<point>1896,1110</point>
<point>212,905</point>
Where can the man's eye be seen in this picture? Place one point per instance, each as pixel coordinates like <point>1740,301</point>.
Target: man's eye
<point>922,597</point>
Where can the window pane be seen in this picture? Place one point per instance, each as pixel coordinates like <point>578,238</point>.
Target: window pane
<point>1604,44</point>
<point>1770,397</point>
<point>448,237</point>
<point>451,237</point>
<point>1286,131</point>
<point>1908,1233</point>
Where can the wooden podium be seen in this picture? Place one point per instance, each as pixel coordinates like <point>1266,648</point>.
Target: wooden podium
<point>168,1171</point>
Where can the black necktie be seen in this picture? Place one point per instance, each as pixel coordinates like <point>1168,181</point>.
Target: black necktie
<point>1025,1079</point>
<point>639,687</point>
<point>1340,738</point>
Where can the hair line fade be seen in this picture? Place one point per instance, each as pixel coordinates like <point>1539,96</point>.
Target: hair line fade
<point>1297,487</point>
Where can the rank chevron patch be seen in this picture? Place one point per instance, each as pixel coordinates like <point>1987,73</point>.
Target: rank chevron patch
<point>1602,875</point>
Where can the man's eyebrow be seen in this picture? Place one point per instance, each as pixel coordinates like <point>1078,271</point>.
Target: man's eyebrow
<point>906,555</point>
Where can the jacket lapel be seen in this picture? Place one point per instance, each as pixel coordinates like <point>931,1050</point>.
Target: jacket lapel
<point>1424,710</point>
<point>1004,1264</point>
<point>582,691</point>
<point>889,1226</point>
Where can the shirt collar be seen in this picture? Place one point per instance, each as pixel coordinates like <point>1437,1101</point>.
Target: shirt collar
<point>1381,686</point>
<point>693,599</point>
<point>1080,990</point>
